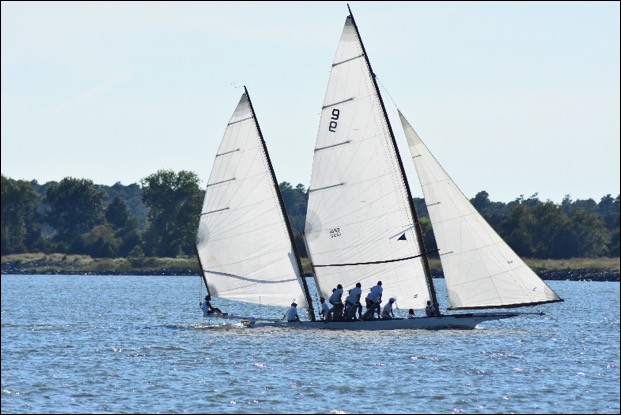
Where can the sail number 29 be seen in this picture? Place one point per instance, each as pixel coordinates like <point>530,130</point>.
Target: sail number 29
<point>334,118</point>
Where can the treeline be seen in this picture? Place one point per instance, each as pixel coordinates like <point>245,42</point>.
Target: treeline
<point>159,218</point>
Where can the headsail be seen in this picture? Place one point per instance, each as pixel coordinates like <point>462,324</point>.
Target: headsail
<point>359,224</point>
<point>243,242</point>
<point>480,269</point>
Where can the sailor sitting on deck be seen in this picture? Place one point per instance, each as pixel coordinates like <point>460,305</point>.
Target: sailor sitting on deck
<point>292,314</point>
<point>209,309</point>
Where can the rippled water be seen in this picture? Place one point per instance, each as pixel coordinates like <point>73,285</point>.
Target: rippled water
<point>136,344</point>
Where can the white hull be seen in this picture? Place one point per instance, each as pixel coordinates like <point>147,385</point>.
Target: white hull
<point>448,322</point>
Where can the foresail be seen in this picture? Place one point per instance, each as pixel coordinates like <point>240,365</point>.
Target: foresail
<point>480,269</point>
<point>359,226</point>
<point>242,240</point>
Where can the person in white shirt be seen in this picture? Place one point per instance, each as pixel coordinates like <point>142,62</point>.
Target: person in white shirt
<point>292,314</point>
<point>411,313</point>
<point>375,296</point>
<point>387,313</point>
<point>336,312</point>
<point>353,303</point>
<point>325,309</point>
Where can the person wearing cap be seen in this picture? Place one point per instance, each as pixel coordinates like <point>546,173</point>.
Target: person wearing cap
<point>325,309</point>
<point>208,309</point>
<point>292,314</point>
<point>387,313</point>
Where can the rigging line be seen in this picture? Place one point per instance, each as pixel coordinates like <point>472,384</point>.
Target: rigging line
<point>386,91</point>
<point>373,262</point>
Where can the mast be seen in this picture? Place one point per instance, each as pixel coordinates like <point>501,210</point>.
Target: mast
<point>310,260</point>
<point>309,302</point>
<point>200,264</point>
<point>419,234</point>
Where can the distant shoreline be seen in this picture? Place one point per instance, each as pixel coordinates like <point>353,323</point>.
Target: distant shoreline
<point>577,269</point>
<point>550,275</point>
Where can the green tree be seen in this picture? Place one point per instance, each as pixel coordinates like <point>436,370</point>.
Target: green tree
<point>75,207</point>
<point>295,201</point>
<point>125,227</point>
<point>548,237</point>
<point>21,224</point>
<point>584,236</point>
<point>100,242</point>
<point>481,201</point>
<point>517,231</point>
<point>173,204</point>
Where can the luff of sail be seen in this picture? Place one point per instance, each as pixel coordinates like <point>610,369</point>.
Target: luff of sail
<point>480,269</point>
<point>359,226</point>
<point>243,242</point>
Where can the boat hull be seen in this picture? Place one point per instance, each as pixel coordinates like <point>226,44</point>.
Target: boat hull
<point>447,322</point>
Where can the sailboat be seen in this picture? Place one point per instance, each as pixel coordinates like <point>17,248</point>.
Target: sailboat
<point>361,223</point>
<point>244,243</point>
<point>362,226</point>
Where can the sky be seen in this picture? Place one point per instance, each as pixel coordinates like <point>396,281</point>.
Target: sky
<point>512,98</point>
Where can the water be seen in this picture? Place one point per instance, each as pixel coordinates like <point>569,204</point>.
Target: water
<point>139,344</point>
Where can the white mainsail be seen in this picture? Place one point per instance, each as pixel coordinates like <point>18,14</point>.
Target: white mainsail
<point>359,224</point>
<point>480,269</point>
<point>243,242</point>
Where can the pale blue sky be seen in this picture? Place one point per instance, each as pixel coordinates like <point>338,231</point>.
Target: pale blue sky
<point>512,98</point>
